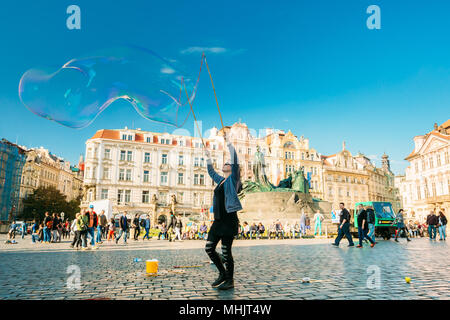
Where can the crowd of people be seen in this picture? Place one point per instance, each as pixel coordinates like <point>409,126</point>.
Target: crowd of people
<point>91,229</point>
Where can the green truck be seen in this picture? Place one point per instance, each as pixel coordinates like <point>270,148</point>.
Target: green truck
<point>384,218</point>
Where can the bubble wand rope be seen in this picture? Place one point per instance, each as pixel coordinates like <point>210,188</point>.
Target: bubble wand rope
<point>195,119</point>
<point>214,89</point>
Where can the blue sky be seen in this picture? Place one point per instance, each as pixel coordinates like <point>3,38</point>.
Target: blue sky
<point>309,66</point>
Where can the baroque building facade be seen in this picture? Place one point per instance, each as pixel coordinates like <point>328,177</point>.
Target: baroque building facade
<point>43,169</point>
<point>151,172</point>
<point>426,183</point>
<point>146,172</point>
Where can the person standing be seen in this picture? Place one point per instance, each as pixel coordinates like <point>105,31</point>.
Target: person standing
<point>123,228</point>
<point>55,226</point>
<point>48,222</point>
<point>344,227</point>
<point>226,223</point>
<point>147,226</point>
<point>34,232</point>
<point>400,225</point>
<point>442,223</point>
<point>318,218</point>
<point>432,221</point>
<point>104,224</point>
<point>178,227</point>
<point>363,228</point>
<point>82,226</point>
<point>23,229</point>
<point>303,224</point>
<point>371,222</point>
<point>92,224</point>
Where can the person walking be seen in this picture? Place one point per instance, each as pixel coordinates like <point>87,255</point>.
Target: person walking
<point>371,222</point>
<point>77,233</point>
<point>123,228</point>
<point>24,229</point>
<point>137,227</point>
<point>442,225</point>
<point>54,229</point>
<point>432,221</point>
<point>344,227</point>
<point>147,225</point>
<point>111,229</point>
<point>226,223</point>
<point>401,227</point>
<point>363,228</point>
<point>318,218</point>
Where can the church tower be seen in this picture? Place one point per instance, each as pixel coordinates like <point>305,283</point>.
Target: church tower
<point>385,163</point>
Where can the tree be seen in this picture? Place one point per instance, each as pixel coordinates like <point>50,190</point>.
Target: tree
<point>48,199</point>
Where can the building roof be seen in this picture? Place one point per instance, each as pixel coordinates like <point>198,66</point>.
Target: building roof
<point>436,133</point>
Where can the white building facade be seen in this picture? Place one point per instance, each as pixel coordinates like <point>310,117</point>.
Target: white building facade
<point>132,167</point>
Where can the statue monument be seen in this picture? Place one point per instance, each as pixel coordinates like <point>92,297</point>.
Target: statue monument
<point>264,202</point>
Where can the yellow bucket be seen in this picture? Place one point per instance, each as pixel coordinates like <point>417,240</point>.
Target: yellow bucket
<point>152,266</point>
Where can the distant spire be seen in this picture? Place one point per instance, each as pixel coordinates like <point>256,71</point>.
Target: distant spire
<point>343,145</point>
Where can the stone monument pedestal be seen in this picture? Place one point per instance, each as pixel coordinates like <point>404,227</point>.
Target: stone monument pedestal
<point>287,206</point>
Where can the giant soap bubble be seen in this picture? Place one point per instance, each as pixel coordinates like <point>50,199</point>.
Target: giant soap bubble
<point>75,94</point>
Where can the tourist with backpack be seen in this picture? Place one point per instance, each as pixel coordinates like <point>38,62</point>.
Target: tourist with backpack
<point>123,228</point>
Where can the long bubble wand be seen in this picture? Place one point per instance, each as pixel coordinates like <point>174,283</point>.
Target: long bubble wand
<point>214,89</point>
<point>195,119</point>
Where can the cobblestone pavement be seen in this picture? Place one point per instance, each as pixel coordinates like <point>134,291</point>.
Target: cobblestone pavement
<point>265,269</point>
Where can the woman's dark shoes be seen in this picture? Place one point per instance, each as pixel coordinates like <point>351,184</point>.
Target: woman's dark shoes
<point>218,281</point>
<point>226,285</point>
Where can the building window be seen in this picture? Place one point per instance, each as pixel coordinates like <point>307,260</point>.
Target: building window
<point>181,143</point>
<point>180,197</point>
<point>124,137</point>
<point>202,179</point>
<point>127,196</point>
<point>180,178</point>
<point>180,160</point>
<point>107,154</point>
<point>122,155</point>
<point>105,173</point>
<point>162,197</point>
<point>149,139</point>
<point>196,179</point>
<point>165,141</point>
<point>196,162</point>
<point>164,179</point>
<point>164,158</point>
<point>146,175</point>
<point>94,172</point>
<point>130,156</point>
<point>104,194</point>
<point>249,150</point>
<point>145,196</point>
<point>147,157</point>
<point>121,174</point>
<point>119,196</point>
<point>128,177</point>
